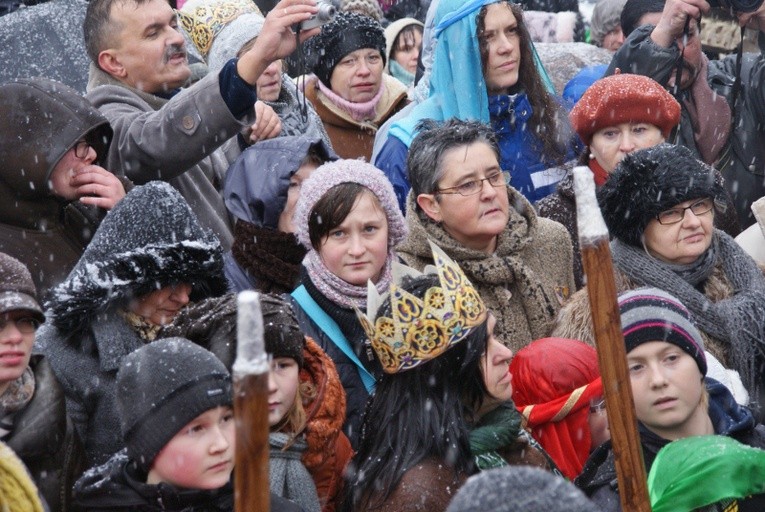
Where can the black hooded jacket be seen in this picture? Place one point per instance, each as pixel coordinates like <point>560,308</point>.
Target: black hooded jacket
<point>115,486</point>
<point>42,120</point>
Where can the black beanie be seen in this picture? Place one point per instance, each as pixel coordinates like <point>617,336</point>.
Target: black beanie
<point>161,387</point>
<point>652,180</point>
<point>346,33</point>
<point>281,331</point>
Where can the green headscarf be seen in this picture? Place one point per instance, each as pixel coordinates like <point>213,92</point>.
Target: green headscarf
<point>694,472</point>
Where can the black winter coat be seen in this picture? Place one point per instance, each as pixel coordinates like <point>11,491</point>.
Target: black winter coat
<point>115,486</point>
<point>355,392</point>
<point>44,439</point>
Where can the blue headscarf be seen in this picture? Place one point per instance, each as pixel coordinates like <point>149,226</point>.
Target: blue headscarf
<point>457,85</point>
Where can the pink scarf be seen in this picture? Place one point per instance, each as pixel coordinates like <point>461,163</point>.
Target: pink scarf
<point>366,111</point>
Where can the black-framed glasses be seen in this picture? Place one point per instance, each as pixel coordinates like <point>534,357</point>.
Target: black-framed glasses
<point>25,324</point>
<point>81,149</point>
<point>469,188</point>
<point>675,215</point>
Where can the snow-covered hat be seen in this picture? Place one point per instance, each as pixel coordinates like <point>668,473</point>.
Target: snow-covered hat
<point>17,290</point>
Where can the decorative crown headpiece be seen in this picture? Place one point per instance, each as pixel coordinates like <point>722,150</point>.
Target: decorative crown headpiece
<point>422,329</point>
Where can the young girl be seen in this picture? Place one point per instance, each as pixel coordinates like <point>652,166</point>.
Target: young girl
<point>347,218</point>
<point>306,409</point>
<point>442,409</point>
<point>403,40</point>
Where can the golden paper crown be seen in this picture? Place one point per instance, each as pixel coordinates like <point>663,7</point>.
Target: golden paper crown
<point>422,329</point>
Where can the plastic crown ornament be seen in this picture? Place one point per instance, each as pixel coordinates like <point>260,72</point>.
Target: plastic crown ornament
<point>422,329</point>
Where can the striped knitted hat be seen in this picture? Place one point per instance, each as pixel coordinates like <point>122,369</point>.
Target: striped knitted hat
<point>650,314</point>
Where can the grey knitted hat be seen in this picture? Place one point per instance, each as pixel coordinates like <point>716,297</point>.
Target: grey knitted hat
<point>17,290</point>
<point>515,488</point>
<point>346,33</point>
<point>161,387</point>
<point>282,333</point>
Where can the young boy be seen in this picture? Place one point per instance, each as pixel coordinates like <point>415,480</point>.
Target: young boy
<point>673,398</point>
<point>174,400</point>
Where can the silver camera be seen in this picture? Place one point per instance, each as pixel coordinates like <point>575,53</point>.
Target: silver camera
<point>327,11</point>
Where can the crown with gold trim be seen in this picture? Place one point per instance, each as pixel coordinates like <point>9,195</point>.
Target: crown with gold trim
<point>422,329</point>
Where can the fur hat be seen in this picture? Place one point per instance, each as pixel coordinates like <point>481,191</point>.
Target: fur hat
<point>346,33</point>
<point>17,290</point>
<point>624,98</point>
<point>652,180</point>
<point>282,333</point>
<point>161,387</point>
<point>606,16</point>
<point>150,239</point>
<point>348,171</point>
<point>519,488</point>
<point>650,314</point>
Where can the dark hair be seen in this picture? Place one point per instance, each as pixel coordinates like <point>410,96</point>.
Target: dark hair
<point>405,39</point>
<point>636,9</point>
<point>433,140</point>
<point>419,413</point>
<point>331,210</point>
<point>98,26</point>
<point>316,156</point>
<point>547,116</point>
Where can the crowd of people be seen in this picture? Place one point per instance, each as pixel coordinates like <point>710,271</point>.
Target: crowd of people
<point>396,179</point>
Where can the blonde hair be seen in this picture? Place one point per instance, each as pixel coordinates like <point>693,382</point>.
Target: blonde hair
<point>294,422</point>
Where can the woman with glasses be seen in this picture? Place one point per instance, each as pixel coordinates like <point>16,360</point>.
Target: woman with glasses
<point>521,264</point>
<point>659,205</point>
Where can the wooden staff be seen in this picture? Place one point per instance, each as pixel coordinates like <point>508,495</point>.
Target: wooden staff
<point>612,355</point>
<point>251,491</point>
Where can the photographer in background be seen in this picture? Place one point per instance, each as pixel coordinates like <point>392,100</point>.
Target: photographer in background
<point>721,108</point>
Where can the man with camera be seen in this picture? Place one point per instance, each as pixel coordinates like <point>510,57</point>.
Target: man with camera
<point>722,108</point>
<point>186,137</point>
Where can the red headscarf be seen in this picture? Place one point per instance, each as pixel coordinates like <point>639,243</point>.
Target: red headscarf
<point>553,382</point>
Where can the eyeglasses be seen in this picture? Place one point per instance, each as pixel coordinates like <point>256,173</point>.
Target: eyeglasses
<point>25,324</point>
<point>597,405</point>
<point>675,215</point>
<point>81,149</point>
<point>469,188</point>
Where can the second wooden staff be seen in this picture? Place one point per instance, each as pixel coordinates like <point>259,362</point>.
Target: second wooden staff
<point>612,355</point>
<point>251,489</point>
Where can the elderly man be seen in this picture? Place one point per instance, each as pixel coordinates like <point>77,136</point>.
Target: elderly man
<point>521,264</point>
<point>719,132</point>
<point>33,420</point>
<point>186,137</point>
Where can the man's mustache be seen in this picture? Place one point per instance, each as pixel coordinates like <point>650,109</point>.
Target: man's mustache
<point>174,50</point>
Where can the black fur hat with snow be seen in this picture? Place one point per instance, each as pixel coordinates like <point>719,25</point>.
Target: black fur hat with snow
<point>652,180</point>
<point>163,386</point>
<point>149,240</point>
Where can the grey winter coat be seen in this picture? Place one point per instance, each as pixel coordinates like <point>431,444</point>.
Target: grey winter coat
<point>742,161</point>
<point>188,141</point>
<point>149,240</point>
